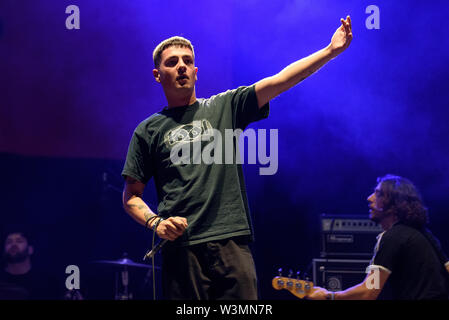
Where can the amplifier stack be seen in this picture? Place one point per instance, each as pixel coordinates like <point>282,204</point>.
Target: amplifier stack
<point>347,244</point>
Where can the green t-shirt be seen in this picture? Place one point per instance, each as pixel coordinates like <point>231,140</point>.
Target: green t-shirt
<point>211,196</point>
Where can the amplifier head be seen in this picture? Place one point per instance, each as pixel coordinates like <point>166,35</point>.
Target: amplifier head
<point>348,223</point>
<point>348,236</point>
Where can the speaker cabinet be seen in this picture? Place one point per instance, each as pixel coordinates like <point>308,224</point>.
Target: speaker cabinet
<point>338,274</point>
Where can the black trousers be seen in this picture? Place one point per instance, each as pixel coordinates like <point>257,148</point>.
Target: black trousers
<point>216,270</point>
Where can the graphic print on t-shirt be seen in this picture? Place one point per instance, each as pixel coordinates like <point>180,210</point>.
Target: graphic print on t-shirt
<point>187,133</point>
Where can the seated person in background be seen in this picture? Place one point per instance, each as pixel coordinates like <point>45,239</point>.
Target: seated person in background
<point>19,279</point>
<point>408,258</point>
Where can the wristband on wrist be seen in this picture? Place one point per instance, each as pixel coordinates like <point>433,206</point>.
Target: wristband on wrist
<point>157,223</point>
<point>148,222</point>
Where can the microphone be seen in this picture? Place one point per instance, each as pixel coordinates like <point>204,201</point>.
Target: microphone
<point>151,253</point>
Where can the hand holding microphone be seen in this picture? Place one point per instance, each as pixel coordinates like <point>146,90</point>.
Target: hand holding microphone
<point>167,229</point>
<point>171,228</point>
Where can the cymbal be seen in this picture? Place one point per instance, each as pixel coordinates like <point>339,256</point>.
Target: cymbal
<point>126,262</point>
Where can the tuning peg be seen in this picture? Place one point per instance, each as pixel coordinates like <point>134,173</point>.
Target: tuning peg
<point>290,273</point>
<point>297,274</point>
<point>280,272</point>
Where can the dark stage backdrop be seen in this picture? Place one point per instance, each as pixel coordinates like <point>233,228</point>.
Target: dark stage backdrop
<point>70,99</point>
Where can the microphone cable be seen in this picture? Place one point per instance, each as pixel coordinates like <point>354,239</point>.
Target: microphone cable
<point>152,252</point>
<point>154,249</point>
<point>152,264</point>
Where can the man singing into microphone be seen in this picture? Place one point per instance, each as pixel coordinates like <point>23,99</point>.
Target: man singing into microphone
<point>203,209</point>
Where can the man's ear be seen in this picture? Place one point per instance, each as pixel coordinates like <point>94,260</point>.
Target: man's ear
<point>196,73</point>
<point>30,250</point>
<point>156,75</point>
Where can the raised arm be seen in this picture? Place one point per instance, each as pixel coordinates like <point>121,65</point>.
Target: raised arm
<point>170,228</point>
<point>271,87</point>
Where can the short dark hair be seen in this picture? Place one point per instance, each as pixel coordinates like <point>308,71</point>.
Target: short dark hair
<point>400,197</point>
<point>13,229</point>
<point>176,41</point>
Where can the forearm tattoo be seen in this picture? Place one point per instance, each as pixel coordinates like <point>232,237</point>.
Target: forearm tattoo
<point>147,214</point>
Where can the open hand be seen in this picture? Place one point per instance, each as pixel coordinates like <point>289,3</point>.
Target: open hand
<point>342,37</point>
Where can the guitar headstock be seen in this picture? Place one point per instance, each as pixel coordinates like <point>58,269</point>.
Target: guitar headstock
<point>299,288</point>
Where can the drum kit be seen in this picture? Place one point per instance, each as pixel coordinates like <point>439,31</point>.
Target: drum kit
<point>122,288</point>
